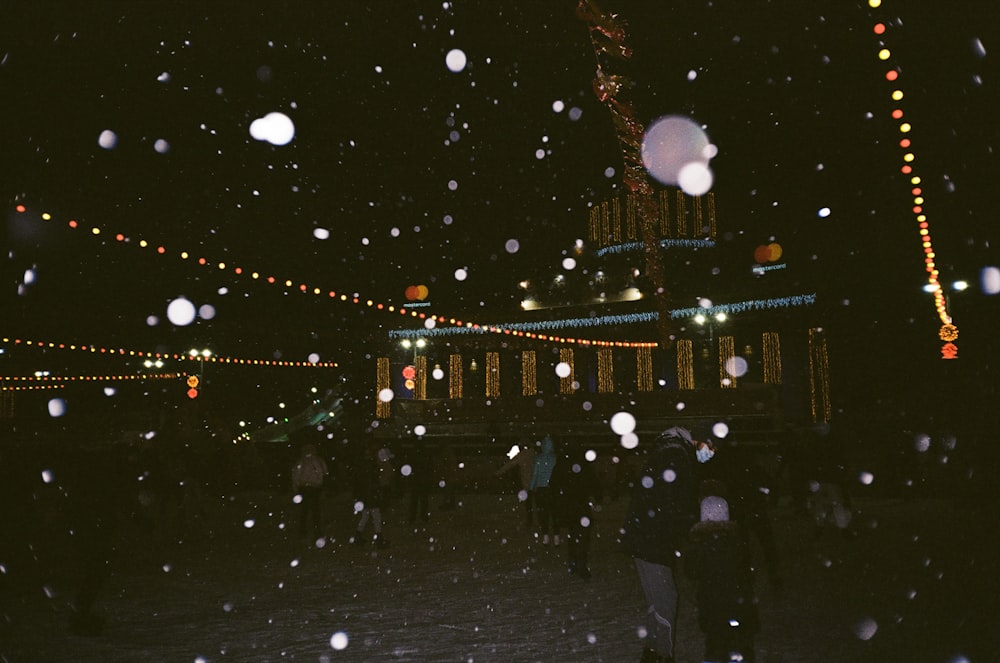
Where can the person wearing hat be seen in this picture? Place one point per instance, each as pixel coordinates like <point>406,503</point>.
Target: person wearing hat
<point>663,509</point>
<point>719,560</point>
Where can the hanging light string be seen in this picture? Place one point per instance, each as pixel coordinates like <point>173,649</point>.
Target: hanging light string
<point>522,328</point>
<point>892,76</point>
<point>21,380</point>
<point>29,387</point>
<point>214,359</point>
<point>429,318</point>
<point>608,37</point>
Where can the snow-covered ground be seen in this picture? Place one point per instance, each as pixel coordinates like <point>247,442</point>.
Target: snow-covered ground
<point>472,585</point>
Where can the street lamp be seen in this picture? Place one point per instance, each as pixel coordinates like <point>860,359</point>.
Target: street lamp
<point>701,319</point>
<point>416,345</point>
<point>202,355</point>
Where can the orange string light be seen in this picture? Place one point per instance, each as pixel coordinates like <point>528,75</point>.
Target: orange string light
<point>168,356</point>
<point>906,143</point>
<point>305,288</point>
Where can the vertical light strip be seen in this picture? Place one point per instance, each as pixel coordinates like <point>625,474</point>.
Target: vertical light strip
<point>819,378</point>
<point>727,353</point>
<point>644,369</point>
<point>529,373</point>
<point>382,383</point>
<point>685,364</point>
<point>492,374</point>
<point>712,228</point>
<point>771,343</point>
<point>605,371</point>
<point>666,228</point>
<point>681,211</point>
<point>420,388</point>
<point>455,376</point>
<point>566,383</point>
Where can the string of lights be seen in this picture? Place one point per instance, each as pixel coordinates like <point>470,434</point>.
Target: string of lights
<point>530,330</point>
<point>881,30</point>
<point>429,318</point>
<point>610,320</point>
<point>96,349</point>
<point>30,387</point>
<point>17,379</point>
<point>628,247</point>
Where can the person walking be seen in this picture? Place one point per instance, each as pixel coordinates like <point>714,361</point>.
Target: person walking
<point>747,492</point>
<point>719,560</point>
<point>522,458</point>
<point>663,508</point>
<point>421,479</point>
<point>308,475</point>
<point>575,489</point>
<point>541,474</point>
<point>369,497</point>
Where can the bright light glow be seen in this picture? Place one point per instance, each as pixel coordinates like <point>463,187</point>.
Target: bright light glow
<point>455,60</point>
<point>181,312</point>
<point>622,423</point>
<point>274,128</point>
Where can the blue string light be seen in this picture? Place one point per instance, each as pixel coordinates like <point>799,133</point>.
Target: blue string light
<point>611,320</point>
<point>664,243</point>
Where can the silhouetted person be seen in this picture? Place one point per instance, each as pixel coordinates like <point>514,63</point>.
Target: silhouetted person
<point>664,506</point>
<point>448,467</point>
<point>575,488</point>
<point>718,558</point>
<point>369,494</point>
<point>308,476</point>
<point>541,474</point>
<point>747,491</point>
<point>421,480</point>
<point>98,488</point>
<point>524,461</point>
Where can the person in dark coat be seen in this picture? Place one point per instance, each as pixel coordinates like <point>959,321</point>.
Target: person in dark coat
<point>747,489</point>
<point>369,494</point>
<point>575,489</point>
<point>308,476</point>
<point>718,559</point>
<point>421,480</point>
<point>664,506</point>
<point>541,474</point>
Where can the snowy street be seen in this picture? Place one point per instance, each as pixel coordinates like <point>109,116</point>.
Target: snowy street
<point>473,586</point>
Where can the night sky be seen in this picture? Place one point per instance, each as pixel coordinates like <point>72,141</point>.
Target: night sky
<point>792,93</point>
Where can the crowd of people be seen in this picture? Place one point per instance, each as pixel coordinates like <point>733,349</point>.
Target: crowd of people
<point>693,509</point>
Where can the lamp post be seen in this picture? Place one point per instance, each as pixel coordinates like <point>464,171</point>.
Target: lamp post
<point>202,355</point>
<point>719,317</point>
<point>416,376</point>
<point>416,345</point>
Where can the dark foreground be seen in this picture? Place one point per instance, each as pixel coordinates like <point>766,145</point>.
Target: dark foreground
<point>917,582</point>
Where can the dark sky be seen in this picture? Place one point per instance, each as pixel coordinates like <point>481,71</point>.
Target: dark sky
<point>792,93</point>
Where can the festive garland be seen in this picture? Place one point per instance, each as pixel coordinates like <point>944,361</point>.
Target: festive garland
<point>527,330</point>
<point>97,231</point>
<point>742,307</point>
<point>608,39</point>
<point>89,378</point>
<point>214,359</point>
<point>610,320</point>
<point>628,247</point>
<point>892,76</point>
